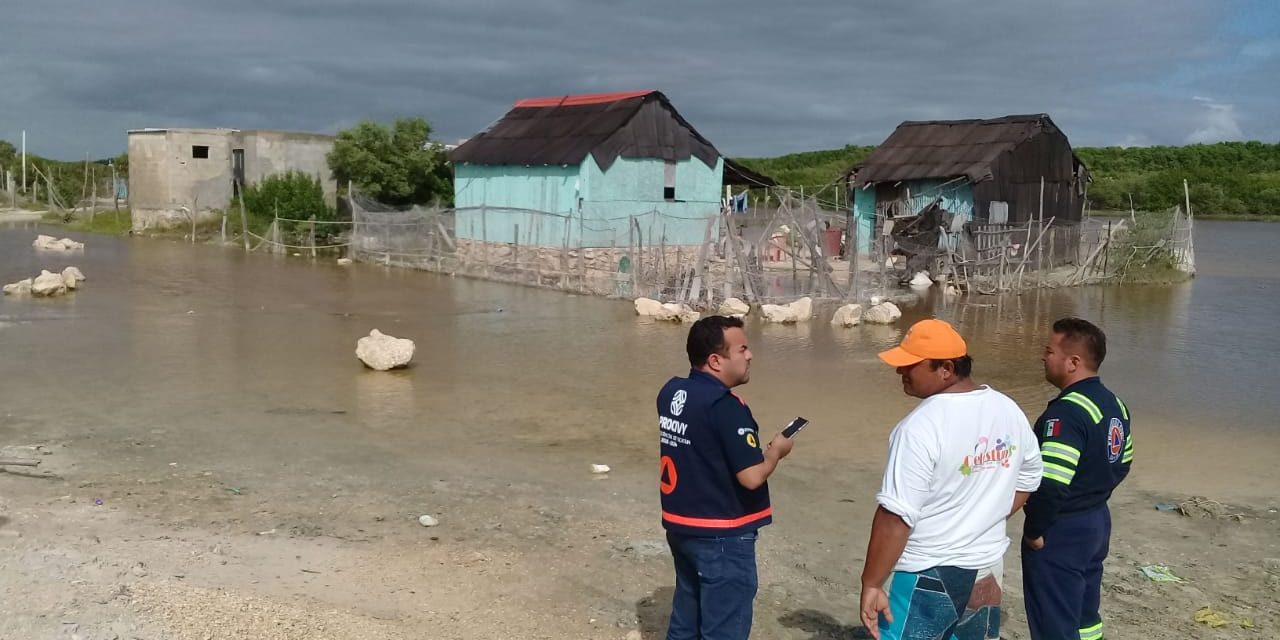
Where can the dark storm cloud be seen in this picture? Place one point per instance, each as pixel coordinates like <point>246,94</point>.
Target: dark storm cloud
<point>755,77</point>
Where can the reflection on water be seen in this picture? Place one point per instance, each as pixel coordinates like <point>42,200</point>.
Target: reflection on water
<point>203,341</point>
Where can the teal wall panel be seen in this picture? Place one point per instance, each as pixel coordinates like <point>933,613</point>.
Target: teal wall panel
<point>631,188</point>
<point>500,189</point>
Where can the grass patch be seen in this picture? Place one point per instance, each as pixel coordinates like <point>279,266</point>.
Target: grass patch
<point>108,223</point>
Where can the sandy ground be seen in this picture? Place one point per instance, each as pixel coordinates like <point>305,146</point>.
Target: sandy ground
<point>112,540</point>
<point>246,501</point>
<point>8,214</point>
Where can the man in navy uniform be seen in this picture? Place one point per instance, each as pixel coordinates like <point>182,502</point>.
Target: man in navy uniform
<point>713,481</point>
<point>1087,450</point>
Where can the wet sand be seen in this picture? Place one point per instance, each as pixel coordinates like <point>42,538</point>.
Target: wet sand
<point>256,481</point>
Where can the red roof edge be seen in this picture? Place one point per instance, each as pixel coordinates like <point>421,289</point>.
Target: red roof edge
<point>585,98</point>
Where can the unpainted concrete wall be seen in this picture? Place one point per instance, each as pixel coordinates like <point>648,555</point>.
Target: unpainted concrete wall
<point>270,152</point>
<point>166,180</point>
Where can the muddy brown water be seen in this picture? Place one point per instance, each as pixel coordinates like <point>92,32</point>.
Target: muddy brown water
<point>248,359</point>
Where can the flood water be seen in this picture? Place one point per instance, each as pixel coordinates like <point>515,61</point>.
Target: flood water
<point>250,357</point>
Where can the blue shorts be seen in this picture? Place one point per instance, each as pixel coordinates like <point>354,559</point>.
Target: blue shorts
<point>943,603</point>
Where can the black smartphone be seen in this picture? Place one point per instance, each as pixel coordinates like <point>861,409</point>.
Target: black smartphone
<point>796,425</point>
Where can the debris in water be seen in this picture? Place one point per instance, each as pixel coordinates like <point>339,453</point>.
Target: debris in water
<point>428,521</point>
<point>599,468</point>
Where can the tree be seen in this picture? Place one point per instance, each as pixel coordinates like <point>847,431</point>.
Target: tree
<point>7,153</point>
<point>295,195</point>
<point>396,165</point>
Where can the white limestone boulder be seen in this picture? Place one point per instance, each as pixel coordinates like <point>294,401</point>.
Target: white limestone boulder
<point>883,313</point>
<point>19,288</point>
<point>802,309</point>
<point>677,312</point>
<point>798,311</point>
<point>849,315</point>
<point>921,280</point>
<point>382,352</point>
<point>776,313</point>
<point>50,243</point>
<point>734,307</point>
<point>72,277</point>
<point>48,284</point>
<point>648,307</point>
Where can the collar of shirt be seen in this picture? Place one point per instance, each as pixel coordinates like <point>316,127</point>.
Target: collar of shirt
<point>1079,385</point>
<point>703,376</point>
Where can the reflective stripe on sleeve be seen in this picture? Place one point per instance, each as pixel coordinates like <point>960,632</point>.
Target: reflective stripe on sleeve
<point>1058,473</point>
<point>1060,451</point>
<point>1085,403</point>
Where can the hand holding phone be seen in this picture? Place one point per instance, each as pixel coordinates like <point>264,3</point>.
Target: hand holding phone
<point>794,427</point>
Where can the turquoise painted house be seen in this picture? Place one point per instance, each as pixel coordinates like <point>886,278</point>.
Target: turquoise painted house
<point>985,171</point>
<point>591,163</point>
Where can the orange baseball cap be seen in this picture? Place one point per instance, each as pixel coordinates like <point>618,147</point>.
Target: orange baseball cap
<point>926,340</point>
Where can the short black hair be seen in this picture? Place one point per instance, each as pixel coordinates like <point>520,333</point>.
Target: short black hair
<point>963,365</point>
<point>706,337</point>
<point>1086,335</point>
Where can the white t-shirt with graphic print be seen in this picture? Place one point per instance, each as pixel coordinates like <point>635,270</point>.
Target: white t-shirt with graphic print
<point>954,465</point>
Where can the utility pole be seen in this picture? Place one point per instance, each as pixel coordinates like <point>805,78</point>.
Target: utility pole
<point>24,160</point>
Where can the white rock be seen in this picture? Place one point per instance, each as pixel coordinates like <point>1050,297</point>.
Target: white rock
<point>599,468</point>
<point>382,352</point>
<point>883,313</point>
<point>921,279</point>
<point>72,277</point>
<point>48,284</point>
<point>798,311</point>
<point>50,243</point>
<point>802,309</point>
<point>428,521</point>
<point>18,288</point>
<point>672,311</point>
<point>734,307</point>
<point>648,307</point>
<point>847,316</point>
<point>776,313</point>
<point>344,261</point>
<point>677,312</point>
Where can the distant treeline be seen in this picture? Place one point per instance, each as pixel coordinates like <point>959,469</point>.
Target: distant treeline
<point>68,177</point>
<point>1228,178</point>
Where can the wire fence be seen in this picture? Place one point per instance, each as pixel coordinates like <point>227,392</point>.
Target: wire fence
<point>760,254</point>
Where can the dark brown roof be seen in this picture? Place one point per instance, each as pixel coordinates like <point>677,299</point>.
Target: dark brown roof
<point>563,130</point>
<point>948,148</point>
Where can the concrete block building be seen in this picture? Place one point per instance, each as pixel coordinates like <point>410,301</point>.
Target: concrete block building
<point>175,171</point>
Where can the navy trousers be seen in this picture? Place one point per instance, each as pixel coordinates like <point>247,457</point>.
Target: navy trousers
<point>715,587</point>
<point>1062,583</point>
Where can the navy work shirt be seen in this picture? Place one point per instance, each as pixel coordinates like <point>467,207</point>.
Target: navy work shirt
<point>1087,449</point>
<point>708,436</point>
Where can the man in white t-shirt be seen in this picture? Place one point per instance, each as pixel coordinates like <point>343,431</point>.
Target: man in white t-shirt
<point>959,465</point>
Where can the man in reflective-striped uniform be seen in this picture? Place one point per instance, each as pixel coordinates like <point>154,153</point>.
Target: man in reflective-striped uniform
<point>713,477</point>
<point>1087,450</point>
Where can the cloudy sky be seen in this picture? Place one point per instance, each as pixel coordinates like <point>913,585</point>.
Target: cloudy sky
<point>758,77</point>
